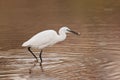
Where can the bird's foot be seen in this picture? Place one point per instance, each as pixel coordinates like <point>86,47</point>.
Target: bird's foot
<point>40,64</point>
<point>41,67</point>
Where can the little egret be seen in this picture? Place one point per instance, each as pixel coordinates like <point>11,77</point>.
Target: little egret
<point>46,38</point>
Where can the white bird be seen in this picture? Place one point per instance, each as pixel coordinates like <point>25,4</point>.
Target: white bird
<point>46,38</point>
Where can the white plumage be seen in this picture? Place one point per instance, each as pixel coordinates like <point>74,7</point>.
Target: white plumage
<point>46,38</point>
<point>42,39</point>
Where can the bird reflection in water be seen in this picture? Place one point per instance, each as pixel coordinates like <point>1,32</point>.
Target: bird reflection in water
<point>34,65</point>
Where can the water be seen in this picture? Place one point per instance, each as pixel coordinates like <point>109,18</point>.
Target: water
<point>94,55</point>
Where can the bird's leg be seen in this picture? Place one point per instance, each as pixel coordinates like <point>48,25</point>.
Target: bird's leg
<point>40,56</point>
<point>32,53</point>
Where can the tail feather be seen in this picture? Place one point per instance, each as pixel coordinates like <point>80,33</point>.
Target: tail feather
<point>24,44</point>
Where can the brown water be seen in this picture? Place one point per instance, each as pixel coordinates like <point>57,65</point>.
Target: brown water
<point>94,55</point>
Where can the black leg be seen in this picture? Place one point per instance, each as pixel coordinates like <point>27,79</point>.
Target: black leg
<point>32,53</point>
<point>40,56</point>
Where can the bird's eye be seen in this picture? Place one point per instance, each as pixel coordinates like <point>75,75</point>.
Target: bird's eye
<point>68,30</point>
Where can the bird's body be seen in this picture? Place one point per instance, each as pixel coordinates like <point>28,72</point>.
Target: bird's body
<point>46,38</point>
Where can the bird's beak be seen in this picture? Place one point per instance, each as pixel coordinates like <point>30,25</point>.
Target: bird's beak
<point>77,33</point>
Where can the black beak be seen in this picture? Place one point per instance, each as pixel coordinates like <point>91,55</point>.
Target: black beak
<point>74,32</point>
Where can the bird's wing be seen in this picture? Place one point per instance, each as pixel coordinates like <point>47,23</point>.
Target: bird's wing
<point>42,38</point>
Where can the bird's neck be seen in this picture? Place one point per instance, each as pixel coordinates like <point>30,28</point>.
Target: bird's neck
<point>62,35</point>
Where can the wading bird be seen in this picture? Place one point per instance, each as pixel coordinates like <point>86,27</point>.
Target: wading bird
<point>46,38</point>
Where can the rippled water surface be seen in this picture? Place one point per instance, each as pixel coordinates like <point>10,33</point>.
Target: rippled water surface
<point>94,55</point>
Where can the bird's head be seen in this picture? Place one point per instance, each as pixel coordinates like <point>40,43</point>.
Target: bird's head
<point>68,30</point>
